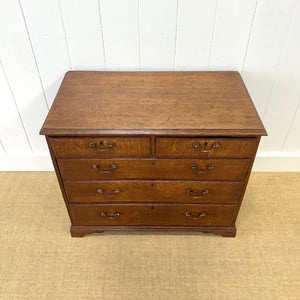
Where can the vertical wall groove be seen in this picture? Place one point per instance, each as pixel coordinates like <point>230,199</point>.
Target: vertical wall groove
<point>64,29</point>
<point>102,36</point>
<point>139,33</point>
<point>290,126</point>
<point>249,37</point>
<point>175,44</point>
<point>2,147</point>
<point>17,108</point>
<point>212,36</point>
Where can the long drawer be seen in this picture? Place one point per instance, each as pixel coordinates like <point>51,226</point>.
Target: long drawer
<point>100,147</point>
<point>153,214</point>
<point>205,147</point>
<point>153,191</point>
<point>185,169</point>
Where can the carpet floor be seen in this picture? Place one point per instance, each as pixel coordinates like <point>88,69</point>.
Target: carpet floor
<point>40,260</point>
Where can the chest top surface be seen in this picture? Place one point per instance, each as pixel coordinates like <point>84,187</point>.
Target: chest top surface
<point>181,103</point>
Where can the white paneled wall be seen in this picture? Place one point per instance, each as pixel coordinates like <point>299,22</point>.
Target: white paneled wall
<point>20,68</point>
<point>41,40</point>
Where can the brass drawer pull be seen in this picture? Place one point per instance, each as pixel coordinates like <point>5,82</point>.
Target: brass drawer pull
<point>195,168</point>
<point>104,215</point>
<point>213,147</point>
<point>111,168</point>
<point>201,214</point>
<point>101,191</point>
<point>191,192</point>
<point>109,146</point>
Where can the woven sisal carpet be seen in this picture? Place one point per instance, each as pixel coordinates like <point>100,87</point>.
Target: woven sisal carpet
<point>40,260</point>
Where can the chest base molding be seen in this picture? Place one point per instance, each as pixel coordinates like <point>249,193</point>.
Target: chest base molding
<point>80,231</point>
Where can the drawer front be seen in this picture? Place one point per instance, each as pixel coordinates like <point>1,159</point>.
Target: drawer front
<point>100,147</point>
<point>155,214</point>
<point>153,191</point>
<point>186,169</point>
<point>205,147</point>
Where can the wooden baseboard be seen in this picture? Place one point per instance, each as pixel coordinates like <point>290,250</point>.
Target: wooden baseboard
<point>26,163</point>
<point>272,162</point>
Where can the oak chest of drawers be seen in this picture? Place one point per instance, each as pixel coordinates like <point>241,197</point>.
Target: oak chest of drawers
<point>153,150</point>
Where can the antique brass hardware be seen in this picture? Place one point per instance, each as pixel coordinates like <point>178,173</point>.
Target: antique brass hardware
<point>105,215</point>
<point>213,146</point>
<point>109,146</point>
<point>200,214</point>
<point>191,192</point>
<point>111,168</point>
<point>102,191</point>
<point>194,167</point>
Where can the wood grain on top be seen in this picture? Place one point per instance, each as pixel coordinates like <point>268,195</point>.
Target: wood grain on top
<point>195,103</point>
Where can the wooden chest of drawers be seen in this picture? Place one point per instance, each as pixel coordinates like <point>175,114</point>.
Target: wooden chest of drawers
<point>153,150</point>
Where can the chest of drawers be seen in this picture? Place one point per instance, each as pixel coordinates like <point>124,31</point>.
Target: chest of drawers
<point>153,150</point>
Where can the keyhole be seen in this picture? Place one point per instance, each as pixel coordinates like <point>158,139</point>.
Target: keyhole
<point>101,143</point>
<point>153,163</point>
<point>205,144</point>
<point>152,207</point>
<point>152,184</point>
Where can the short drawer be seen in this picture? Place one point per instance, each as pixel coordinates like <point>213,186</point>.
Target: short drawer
<point>130,169</point>
<point>100,147</point>
<point>205,147</point>
<point>153,214</point>
<point>153,191</point>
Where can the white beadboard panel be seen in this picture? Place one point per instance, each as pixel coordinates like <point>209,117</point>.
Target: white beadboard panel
<point>46,30</point>
<point>195,26</point>
<point>157,34</point>
<point>120,25</point>
<point>12,134</point>
<point>21,71</point>
<point>286,88</point>
<point>292,143</point>
<point>83,32</point>
<point>269,31</point>
<point>231,34</point>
